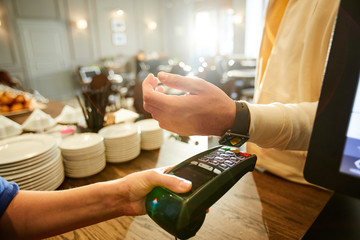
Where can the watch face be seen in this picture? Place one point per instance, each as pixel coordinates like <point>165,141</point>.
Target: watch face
<point>236,140</point>
<point>233,139</point>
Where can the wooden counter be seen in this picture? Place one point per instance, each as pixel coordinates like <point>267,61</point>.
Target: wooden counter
<point>259,206</point>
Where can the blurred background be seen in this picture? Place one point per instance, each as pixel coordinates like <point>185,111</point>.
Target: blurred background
<point>56,47</point>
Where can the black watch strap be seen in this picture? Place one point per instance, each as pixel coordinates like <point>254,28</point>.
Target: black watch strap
<point>241,123</point>
<point>238,134</point>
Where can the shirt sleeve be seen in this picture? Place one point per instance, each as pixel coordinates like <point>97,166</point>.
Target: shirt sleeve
<point>8,190</point>
<point>282,126</point>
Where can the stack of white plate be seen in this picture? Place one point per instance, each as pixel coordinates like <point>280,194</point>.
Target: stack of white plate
<point>83,154</point>
<point>33,161</point>
<point>122,142</point>
<point>151,134</point>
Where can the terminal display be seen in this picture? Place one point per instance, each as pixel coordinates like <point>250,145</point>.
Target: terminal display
<point>350,163</point>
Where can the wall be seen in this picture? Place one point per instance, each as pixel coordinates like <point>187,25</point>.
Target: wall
<point>173,35</point>
<point>178,28</point>
<point>86,46</point>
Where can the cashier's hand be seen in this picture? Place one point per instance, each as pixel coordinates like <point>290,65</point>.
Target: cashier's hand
<point>133,189</point>
<point>204,110</point>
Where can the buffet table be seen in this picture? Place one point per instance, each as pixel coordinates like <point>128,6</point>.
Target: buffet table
<point>259,206</point>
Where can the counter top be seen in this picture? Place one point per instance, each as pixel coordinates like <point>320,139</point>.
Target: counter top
<point>259,206</point>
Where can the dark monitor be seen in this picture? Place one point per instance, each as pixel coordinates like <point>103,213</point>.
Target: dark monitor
<point>334,150</point>
<point>333,159</point>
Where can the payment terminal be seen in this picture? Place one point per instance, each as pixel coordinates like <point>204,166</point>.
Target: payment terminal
<point>212,173</point>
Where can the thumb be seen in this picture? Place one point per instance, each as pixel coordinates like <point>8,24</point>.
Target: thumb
<point>174,183</point>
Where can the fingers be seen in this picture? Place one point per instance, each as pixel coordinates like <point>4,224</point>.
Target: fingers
<point>150,81</point>
<point>152,99</point>
<point>187,84</point>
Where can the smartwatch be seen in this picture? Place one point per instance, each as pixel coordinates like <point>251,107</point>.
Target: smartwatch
<point>239,133</point>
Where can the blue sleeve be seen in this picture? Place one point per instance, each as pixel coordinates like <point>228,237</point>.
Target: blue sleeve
<point>8,190</point>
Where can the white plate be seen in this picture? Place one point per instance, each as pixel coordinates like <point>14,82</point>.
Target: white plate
<point>152,133</point>
<point>85,172</point>
<point>88,168</point>
<point>27,162</point>
<point>28,165</point>
<point>43,177</point>
<point>129,156</point>
<point>33,172</point>
<point>119,131</point>
<point>133,138</point>
<point>51,184</point>
<point>85,151</point>
<point>24,147</point>
<point>121,159</point>
<point>119,147</point>
<point>81,141</point>
<point>83,163</point>
<point>148,125</point>
<point>84,156</point>
<point>122,153</point>
<point>149,148</point>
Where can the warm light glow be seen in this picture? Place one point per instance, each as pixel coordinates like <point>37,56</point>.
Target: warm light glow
<point>81,24</point>
<point>187,68</point>
<point>238,18</point>
<point>119,12</point>
<point>152,25</point>
<point>0,23</point>
<point>206,33</point>
<point>182,64</point>
<point>231,62</point>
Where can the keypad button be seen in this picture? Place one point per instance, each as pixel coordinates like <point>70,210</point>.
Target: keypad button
<point>234,159</point>
<point>214,162</point>
<point>240,158</point>
<point>225,156</point>
<point>209,157</point>
<point>229,163</point>
<point>219,159</point>
<point>217,171</point>
<point>224,166</point>
<point>244,154</point>
<point>205,166</point>
<point>236,151</point>
<point>230,153</point>
<point>202,159</point>
<point>194,162</point>
<point>226,149</point>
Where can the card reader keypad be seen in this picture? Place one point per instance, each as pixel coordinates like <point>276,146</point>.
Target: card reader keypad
<point>220,159</point>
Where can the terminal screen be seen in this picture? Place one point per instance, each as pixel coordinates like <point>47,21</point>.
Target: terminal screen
<point>350,163</point>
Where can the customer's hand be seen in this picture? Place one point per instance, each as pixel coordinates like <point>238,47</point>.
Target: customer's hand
<point>133,189</point>
<point>40,214</point>
<point>205,110</point>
